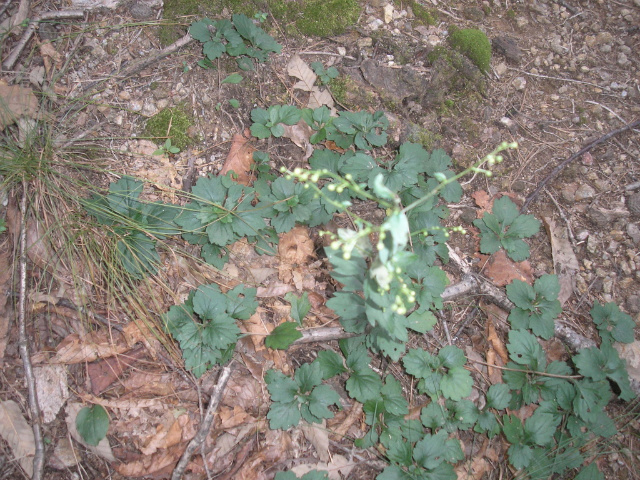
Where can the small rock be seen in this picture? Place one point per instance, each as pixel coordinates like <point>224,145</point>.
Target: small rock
<point>617,235</point>
<point>604,38</point>
<point>590,40</point>
<point>634,233</point>
<point>388,13</point>
<point>592,244</point>
<point>149,108</point>
<point>508,47</point>
<point>342,51</point>
<point>468,215</point>
<point>124,95</point>
<point>522,22</point>
<point>118,120</point>
<point>518,186</point>
<point>584,192</point>
<point>162,103</point>
<point>568,192</point>
<point>473,13</point>
<point>622,59</point>
<point>135,106</point>
<point>141,11</point>
<point>365,41</point>
<point>633,303</point>
<point>519,83</point>
<point>633,204</point>
<point>501,69</point>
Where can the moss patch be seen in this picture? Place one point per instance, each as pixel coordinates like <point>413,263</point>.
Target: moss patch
<point>326,18</point>
<point>172,123</point>
<point>423,15</point>
<point>350,94</point>
<point>474,44</point>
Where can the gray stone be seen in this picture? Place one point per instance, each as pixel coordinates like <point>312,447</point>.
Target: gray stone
<point>508,47</point>
<point>584,192</point>
<point>622,59</point>
<point>603,217</point>
<point>473,13</point>
<point>141,11</point>
<point>634,232</point>
<point>633,204</point>
<point>633,303</point>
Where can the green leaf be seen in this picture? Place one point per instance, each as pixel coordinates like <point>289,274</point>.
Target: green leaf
<point>429,452</point>
<point>394,401</point>
<point>364,385</point>
<point>320,399</point>
<point>524,349</point>
<point>520,456</point>
<point>521,294</point>
<point>456,383</point>
<point>213,49</point>
<point>418,362</point>
<point>283,336</point>
<point>300,306</point>
<point>612,323</point>
<point>590,472</point>
<point>308,376</point>
<point>591,363</point>
<point>331,363</point>
<point>539,428</point>
<point>200,31</point>
<point>281,388</point>
<point>234,103</point>
<point>498,396</point>
<point>421,321</point>
<point>284,415</point>
<point>512,428</point>
<point>233,78</point>
<point>452,356</point>
<point>92,424</point>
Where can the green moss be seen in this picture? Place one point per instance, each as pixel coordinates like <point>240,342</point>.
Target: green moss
<point>173,123</point>
<point>349,94</point>
<point>511,14</point>
<point>474,44</point>
<point>428,139</point>
<point>423,15</point>
<point>326,18</point>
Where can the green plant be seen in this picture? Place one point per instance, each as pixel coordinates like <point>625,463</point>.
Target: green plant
<point>536,307</point>
<point>205,324</point>
<point>171,123</point>
<point>270,122</point>
<point>167,148</point>
<point>474,44</point>
<point>240,38</point>
<point>92,424</point>
<point>136,225</point>
<point>505,227</point>
<point>3,225</point>
<point>303,397</point>
<point>325,76</point>
<point>326,18</point>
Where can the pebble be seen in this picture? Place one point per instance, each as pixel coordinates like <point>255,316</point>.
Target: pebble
<point>135,105</point>
<point>633,204</point>
<point>365,42</point>
<point>584,192</point>
<point>634,232</point>
<point>519,83</point>
<point>141,11</point>
<point>501,69</point>
<point>592,244</point>
<point>604,38</point>
<point>124,95</point>
<point>149,108</point>
<point>162,103</point>
<point>622,59</point>
<point>633,303</point>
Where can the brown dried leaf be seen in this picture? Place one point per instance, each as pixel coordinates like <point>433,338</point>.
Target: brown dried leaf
<point>275,290</point>
<point>232,417</point>
<point>16,102</point>
<point>53,390</point>
<point>299,69</point>
<point>100,344</point>
<point>296,247</point>
<point>166,438</point>
<point>300,134</point>
<point>319,97</point>
<point>502,270</point>
<point>105,372</point>
<point>496,342</point>
<point>240,159</point>
<point>158,465</point>
<point>482,199</point>
<point>318,435</point>
<point>565,262</point>
<point>474,470</point>
<point>18,434</point>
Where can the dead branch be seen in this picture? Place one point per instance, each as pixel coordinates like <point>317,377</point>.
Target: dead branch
<point>23,345</point>
<point>197,441</point>
<point>554,173</point>
<point>26,36</point>
<point>142,63</point>
<point>20,16</point>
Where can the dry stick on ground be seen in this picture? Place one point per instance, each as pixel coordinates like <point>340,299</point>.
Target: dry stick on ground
<point>207,421</point>
<point>141,64</point>
<point>23,345</point>
<point>26,36</point>
<point>566,162</point>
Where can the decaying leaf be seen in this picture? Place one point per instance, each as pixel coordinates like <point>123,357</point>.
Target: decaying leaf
<point>630,353</point>
<point>299,69</point>
<point>275,290</point>
<point>482,199</point>
<point>239,159</point>
<point>502,270</point>
<point>319,97</point>
<point>318,436</point>
<point>339,467</point>
<point>102,450</point>
<point>53,389</point>
<point>103,373</point>
<point>79,349</point>
<point>18,434</point>
<point>565,262</point>
<point>300,134</point>
<point>474,470</point>
<point>16,102</point>
<point>49,55</point>
<point>160,463</point>
<point>296,247</point>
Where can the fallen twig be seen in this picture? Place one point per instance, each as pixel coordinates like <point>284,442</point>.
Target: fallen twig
<point>554,173</point>
<point>23,345</point>
<point>207,421</point>
<point>26,36</point>
<point>141,64</point>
